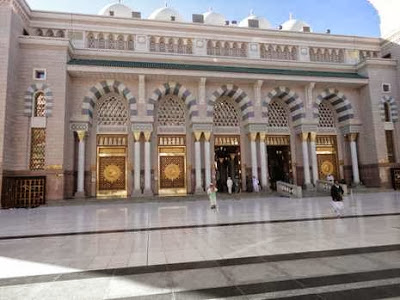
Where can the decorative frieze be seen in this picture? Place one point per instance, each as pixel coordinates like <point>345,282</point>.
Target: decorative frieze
<point>171,45</point>
<point>100,40</point>
<point>227,48</point>
<point>172,141</point>
<point>279,52</point>
<point>329,55</point>
<point>227,141</point>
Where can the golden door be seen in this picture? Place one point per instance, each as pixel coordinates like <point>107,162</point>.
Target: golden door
<point>327,157</point>
<point>112,166</point>
<point>172,166</point>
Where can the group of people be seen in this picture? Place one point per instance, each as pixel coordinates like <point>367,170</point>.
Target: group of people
<point>336,194</point>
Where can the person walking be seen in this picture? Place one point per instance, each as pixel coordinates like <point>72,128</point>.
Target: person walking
<point>229,183</point>
<point>212,195</point>
<point>337,199</point>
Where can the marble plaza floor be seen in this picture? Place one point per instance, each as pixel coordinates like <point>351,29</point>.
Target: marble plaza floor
<point>254,248</point>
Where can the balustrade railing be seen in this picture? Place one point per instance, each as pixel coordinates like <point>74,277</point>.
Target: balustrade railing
<point>324,186</point>
<point>289,190</point>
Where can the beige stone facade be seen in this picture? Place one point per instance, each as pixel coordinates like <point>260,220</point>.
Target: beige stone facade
<point>141,87</point>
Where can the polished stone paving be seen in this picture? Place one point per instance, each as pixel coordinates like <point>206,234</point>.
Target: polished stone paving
<point>256,248</point>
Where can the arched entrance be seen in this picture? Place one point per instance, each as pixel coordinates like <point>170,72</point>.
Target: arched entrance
<point>111,124</point>
<point>278,145</point>
<point>171,124</point>
<point>326,142</point>
<point>227,154</point>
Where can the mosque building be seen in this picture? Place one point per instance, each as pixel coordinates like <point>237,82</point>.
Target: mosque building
<point>118,105</point>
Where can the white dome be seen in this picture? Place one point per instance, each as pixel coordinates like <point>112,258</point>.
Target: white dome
<point>119,10</point>
<point>295,25</point>
<point>213,18</point>
<point>165,14</point>
<point>262,22</point>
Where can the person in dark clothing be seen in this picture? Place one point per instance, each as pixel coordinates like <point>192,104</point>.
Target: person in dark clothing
<point>337,198</point>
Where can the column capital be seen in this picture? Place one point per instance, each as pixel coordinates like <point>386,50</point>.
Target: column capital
<point>207,135</point>
<point>81,135</point>
<point>136,135</point>
<point>258,84</point>
<point>147,135</point>
<point>197,135</point>
<point>313,137</point>
<point>304,136</point>
<point>263,135</point>
<point>353,137</point>
<point>253,136</point>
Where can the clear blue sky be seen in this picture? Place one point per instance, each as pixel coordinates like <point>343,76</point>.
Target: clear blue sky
<point>349,17</point>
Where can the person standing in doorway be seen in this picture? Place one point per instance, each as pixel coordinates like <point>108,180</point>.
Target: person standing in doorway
<point>229,184</point>
<point>212,195</point>
<point>330,178</point>
<point>337,199</point>
<point>256,185</point>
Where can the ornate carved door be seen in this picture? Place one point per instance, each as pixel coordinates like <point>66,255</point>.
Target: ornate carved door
<point>111,166</point>
<point>327,157</point>
<point>172,166</point>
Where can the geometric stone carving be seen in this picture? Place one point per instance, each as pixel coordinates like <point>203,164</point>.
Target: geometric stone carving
<point>277,115</point>
<point>225,113</point>
<point>112,111</point>
<point>326,116</point>
<point>171,111</point>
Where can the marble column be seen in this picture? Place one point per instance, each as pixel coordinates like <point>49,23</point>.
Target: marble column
<point>197,154</point>
<point>354,158</point>
<point>81,165</point>
<point>264,163</point>
<point>136,164</point>
<point>254,164</point>
<point>147,163</point>
<point>314,162</point>
<point>207,159</point>
<point>306,161</point>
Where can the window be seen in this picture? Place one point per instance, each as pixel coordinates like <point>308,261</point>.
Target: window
<point>388,115</point>
<point>38,149</point>
<point>386,87</point>
<point>39,74</point>
<point>390,146</point>
<point>277,115</point>
<point>40,105</point>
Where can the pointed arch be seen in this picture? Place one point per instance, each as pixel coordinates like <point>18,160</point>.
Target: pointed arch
<point>394,113</point>
<point>103,88</point>
<point>30,96</point>
<point>291,99</point>
<point>342,106</point>
<point>238,95</point>
<point>174,88</point>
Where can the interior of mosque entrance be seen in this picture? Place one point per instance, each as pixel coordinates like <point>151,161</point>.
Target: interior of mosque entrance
<point>279,160</point>
<point>172,165</point>
<point>228,163</point>
<point>112,165</point>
